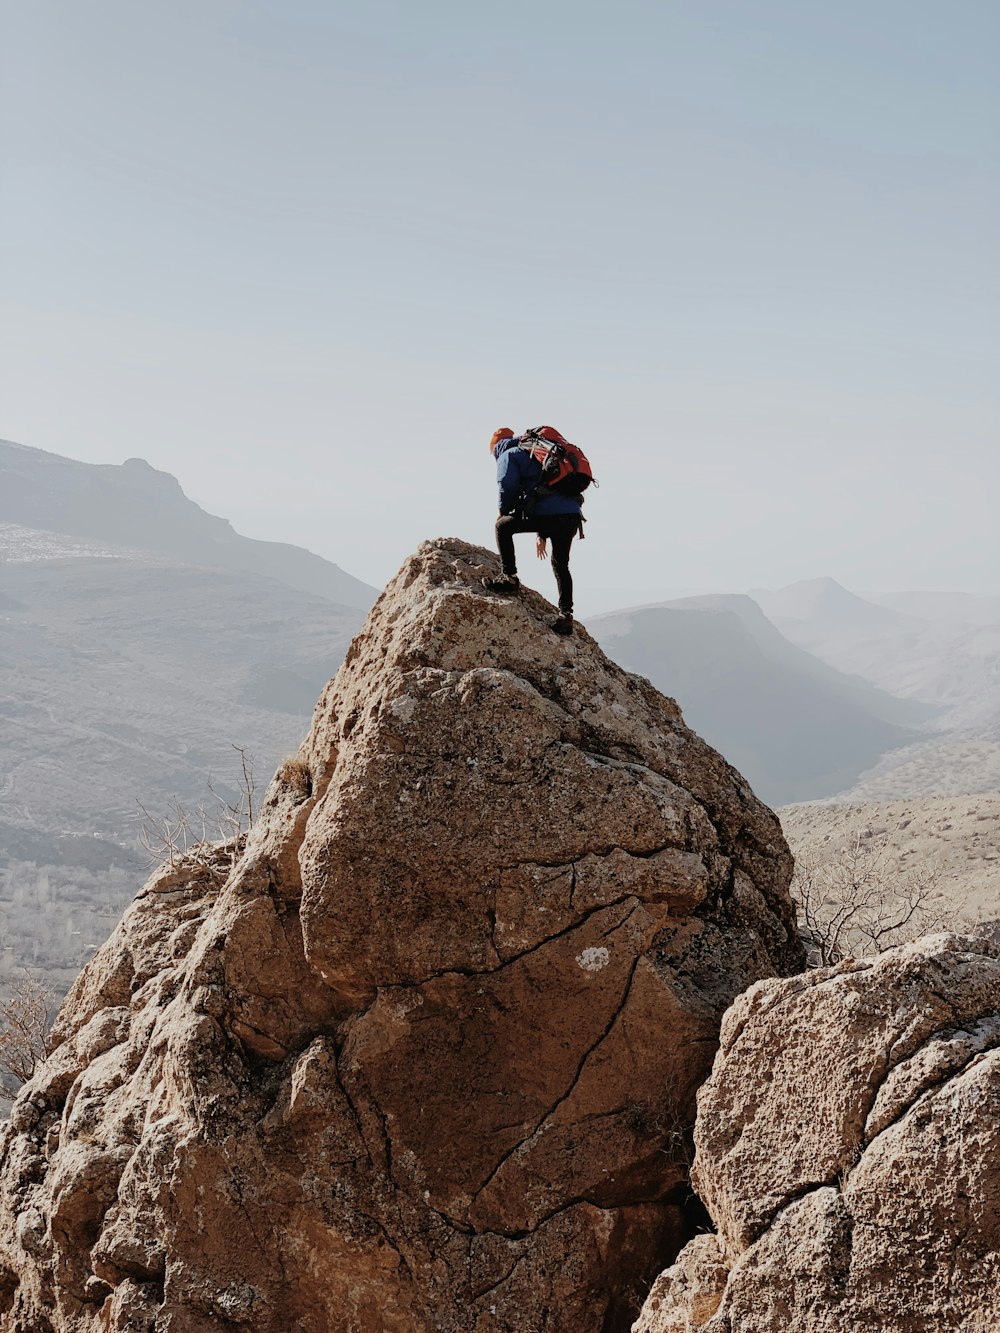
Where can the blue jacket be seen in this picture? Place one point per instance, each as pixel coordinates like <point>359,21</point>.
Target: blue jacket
<point>518,474</point>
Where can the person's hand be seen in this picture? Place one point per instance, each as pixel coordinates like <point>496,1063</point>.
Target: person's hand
<point>540,548</point>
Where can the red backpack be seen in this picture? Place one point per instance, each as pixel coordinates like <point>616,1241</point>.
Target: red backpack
<point>565,468</point>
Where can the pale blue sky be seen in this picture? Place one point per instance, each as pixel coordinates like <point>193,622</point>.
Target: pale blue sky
<point>306,256</point>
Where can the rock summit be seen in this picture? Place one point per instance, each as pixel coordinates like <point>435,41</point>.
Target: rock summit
<point>421,1054</point>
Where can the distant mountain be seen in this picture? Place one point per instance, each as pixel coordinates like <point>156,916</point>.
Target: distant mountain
<point>797,729</point>
<point>965,607</point>
<point>598,599</point>
<point>876,702</point>
<point>125,681</point>
<point>132,505</point>
<point>941,649</point>
<point>812,610</point>
<point>141,639</point>
<point>950,659</point>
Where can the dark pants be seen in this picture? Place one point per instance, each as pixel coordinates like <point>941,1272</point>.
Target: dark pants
<point>559,529</point>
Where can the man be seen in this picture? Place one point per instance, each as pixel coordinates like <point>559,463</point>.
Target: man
<point>524,508</point>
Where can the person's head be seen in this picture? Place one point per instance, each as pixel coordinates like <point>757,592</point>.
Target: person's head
<point>501,433</point>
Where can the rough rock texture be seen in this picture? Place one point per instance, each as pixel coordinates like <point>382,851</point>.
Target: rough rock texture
<point>424,1058</point>
<point>848,1149</point>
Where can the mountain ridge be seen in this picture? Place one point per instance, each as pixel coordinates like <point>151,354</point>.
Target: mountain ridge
<point>135,505</point>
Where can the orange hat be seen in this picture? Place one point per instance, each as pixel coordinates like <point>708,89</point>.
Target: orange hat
<point>501,433</point>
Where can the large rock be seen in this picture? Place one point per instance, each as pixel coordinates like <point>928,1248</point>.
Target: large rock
<point>424,1058</point>
<point>848,1150</point>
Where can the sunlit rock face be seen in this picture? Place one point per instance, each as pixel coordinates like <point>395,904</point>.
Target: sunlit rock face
<point>848,1150</point>
<point>422,1054</point>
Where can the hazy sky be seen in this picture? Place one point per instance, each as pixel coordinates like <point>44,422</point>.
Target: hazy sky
<point>306,256</point>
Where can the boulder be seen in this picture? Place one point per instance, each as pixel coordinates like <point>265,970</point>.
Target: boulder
<point>422,1054</point>
<point>848,1151</point>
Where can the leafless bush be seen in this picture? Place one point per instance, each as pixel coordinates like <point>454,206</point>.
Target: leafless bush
<point>165,838</point>
<point>235,817</point>
<point>192,834</point>
<point>854,902</point>
<point>24,1034</point>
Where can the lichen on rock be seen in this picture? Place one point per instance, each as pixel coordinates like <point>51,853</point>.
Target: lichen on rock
<point>419,1060</point>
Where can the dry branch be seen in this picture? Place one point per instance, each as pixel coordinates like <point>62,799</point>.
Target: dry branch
<point>856,903</point>
<point>24,1033</point>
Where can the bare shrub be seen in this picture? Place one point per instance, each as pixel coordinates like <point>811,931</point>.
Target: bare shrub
<point>194,834</point>
<point>853,902</point>
<point>235,817</point>
<point>168,837</point>
<point>24,1033</point>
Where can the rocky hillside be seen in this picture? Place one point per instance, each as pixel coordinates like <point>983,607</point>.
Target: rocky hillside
<point>422,1054</point>
<point>954,841</point>
<point>962,764</point>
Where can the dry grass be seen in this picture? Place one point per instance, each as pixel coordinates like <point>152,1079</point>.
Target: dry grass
<point>295,773</point>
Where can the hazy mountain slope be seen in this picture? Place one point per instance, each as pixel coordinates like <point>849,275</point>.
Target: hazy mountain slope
<point>956,839</point>
<point>795,731</point>
<point>966,607</point>
<point>949,661</point>
<point>124,680</point>
<point>777,648</point>
<point>956,666</point>
<point>133,505</point>
<point>127,680</point>
<point>140,639</point>
<point>824,606</point>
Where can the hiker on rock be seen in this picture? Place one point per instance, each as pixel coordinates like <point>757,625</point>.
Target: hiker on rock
<point>541,478</point>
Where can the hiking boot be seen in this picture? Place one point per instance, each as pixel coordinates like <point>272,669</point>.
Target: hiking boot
<point>507,584</point>
<point>564,625</point>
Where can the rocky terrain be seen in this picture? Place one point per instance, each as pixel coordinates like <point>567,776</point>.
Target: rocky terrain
<point>142,639</point>
<point>420,1055</point>
<point>847,1150</point>
<point>954,841</point>
<point>967,763</point>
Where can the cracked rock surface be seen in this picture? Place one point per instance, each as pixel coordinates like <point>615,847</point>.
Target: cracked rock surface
<point>422,1053</point>
<point>848,1150</point>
